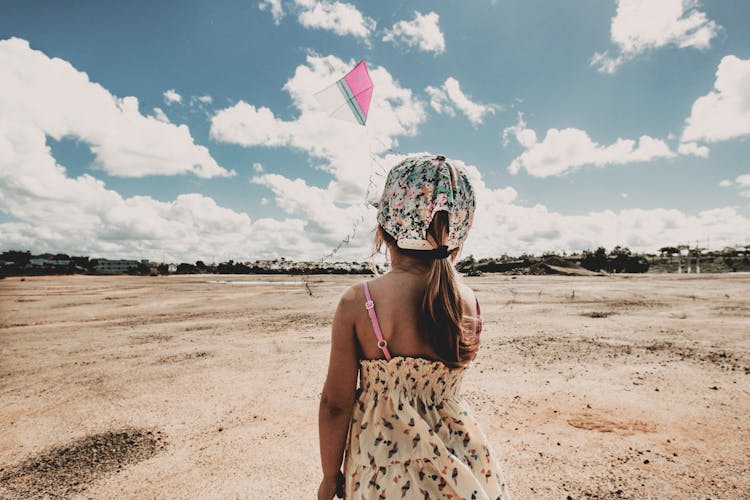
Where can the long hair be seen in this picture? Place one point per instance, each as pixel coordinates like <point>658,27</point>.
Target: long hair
<point>442,316</point>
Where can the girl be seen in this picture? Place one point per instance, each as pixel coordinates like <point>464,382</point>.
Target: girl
<point>406,432</point>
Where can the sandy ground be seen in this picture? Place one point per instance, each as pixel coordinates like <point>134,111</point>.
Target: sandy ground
<point>175,387</point>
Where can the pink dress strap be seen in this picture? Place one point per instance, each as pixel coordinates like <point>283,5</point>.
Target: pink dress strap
<point>480,320</point>
<point>370,306</point>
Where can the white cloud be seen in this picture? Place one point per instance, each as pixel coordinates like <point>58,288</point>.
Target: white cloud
<point>344,148</point>
<point>502,225</point>
<point>171,96</point>
<point>642,25</point>
<point>564,150</point>
<point>80,215</point>
<point>423,32</point>
<point>160,115</point>
<point>323,213</point>
<point>340,17</point>
<point>742,181</point>
<point>623,195</point>
<point>691,148</point>
<point>50,97</point>
<point>605,63</point>
<point>449,97</point>
<point>526,137</point>
<point>257,167</point>
<point>247,125</point>
<point>275,8</point>
<point>53,211</point>
<point>723,113</point>
<point>439,101</point>
<point>204,99</point>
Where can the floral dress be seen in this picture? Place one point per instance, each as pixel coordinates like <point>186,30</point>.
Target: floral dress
<point>413,436</point>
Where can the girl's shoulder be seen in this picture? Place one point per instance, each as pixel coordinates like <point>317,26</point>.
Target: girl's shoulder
<point>353,299</point>
<point>352,303</point>
<point>468,297</point>
<point>352,296</point>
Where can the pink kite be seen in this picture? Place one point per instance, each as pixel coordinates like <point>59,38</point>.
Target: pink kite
<point>349,98</point>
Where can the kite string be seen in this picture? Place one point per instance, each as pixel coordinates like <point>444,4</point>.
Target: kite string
<point>367,202</point>
<point>376,168</point>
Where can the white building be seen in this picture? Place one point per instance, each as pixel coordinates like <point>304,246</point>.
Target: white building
<point>107,266</point>
<point>49,262</point>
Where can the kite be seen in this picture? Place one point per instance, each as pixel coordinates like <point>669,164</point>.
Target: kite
<point>349,98</point>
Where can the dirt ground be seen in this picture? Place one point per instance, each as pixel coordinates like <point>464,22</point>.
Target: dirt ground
<point>176,387</point>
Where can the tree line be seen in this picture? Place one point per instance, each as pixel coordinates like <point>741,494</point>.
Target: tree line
<point>618,260</point>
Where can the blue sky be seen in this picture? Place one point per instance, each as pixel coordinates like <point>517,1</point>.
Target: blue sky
<point>521,66</point>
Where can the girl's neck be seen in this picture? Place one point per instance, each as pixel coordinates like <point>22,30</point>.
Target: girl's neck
<point>406,264</point>
<point>416,271</point>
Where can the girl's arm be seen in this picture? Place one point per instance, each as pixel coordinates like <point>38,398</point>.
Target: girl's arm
<point>337,398</point>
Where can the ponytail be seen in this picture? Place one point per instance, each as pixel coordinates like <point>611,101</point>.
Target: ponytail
<point>442,308</point>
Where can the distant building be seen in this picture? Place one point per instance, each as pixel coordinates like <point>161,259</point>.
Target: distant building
<point>107,266</point>
<point>49,262</point>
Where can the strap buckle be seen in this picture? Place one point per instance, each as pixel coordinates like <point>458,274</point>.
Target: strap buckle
<point>369,305</point>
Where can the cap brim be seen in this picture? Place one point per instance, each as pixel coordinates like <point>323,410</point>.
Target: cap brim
<point>409,244</point>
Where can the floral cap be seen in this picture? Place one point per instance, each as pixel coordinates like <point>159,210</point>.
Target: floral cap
<point>415,190</point>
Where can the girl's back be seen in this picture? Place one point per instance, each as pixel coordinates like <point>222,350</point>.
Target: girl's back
<point>398,298</point>
<point>412,435</point>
